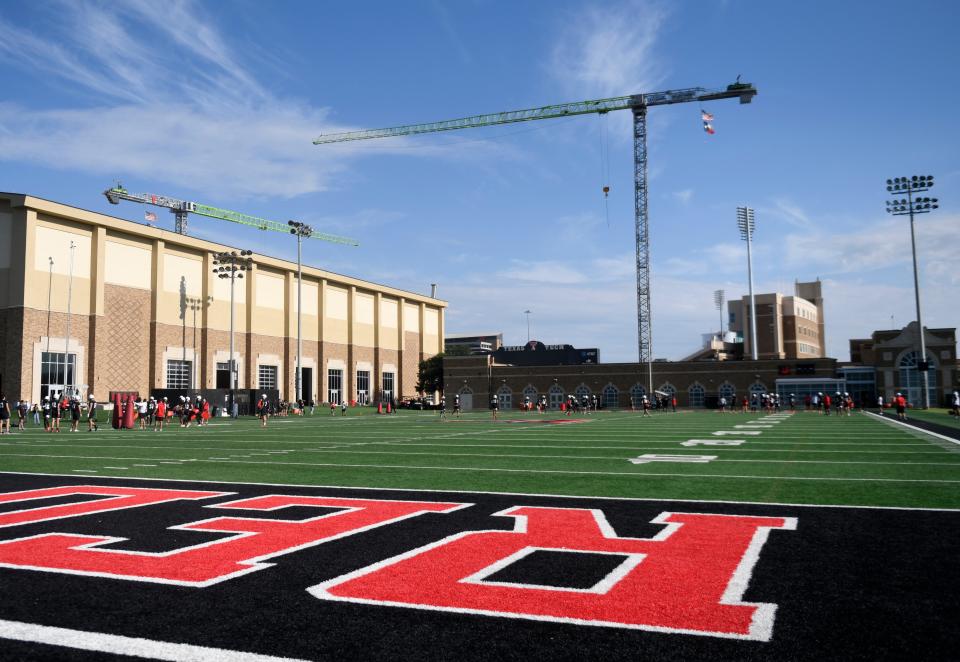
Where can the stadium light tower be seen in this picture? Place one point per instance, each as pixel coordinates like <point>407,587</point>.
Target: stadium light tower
<point>301,230</point>
<point>914,205</point>
<point>746,224</point>
<point>718,300</point>
<point>232,264</point>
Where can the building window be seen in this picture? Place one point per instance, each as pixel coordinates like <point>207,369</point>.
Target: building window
<point>505,397</point>
<point>387,388</point>
<point>611,396</point>
<point>695,395</point>
<point>530,394</point>
<point>556,395</point>
<point>728,391</point>
<point>267,377</point>
<point>223,374</point>
<point>669,389</point>
<point>363,386</point>
<point>582,390</point>
<point>911,379</point>
<point>636,396</point>
<point>56,373</point>
<point>179,373</point>
<point>334,385</point>
<point>756,390</point>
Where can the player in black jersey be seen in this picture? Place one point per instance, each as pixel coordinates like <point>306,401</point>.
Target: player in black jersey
<point>4,415</point>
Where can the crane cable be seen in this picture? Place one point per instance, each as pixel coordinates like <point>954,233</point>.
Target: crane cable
<point>605,164</point>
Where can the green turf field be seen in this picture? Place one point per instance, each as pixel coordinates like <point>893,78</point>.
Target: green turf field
<point>803,458</point>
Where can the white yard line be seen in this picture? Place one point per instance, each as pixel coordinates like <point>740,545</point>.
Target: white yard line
<point>194,481</point>
<point>544,471</point>
<point>131,646</point>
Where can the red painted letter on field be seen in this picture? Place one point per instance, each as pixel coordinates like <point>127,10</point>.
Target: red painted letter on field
<point>212,562</point>
<point>689,578</point>
<point>118,498</point>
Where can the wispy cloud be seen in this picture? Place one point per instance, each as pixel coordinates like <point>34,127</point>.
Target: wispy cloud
<point>788,212</point>
<point>608,49</point>
<point>453,35</point>
<point>186,111</point>
<point>684,196</point>
<point>886,243</point>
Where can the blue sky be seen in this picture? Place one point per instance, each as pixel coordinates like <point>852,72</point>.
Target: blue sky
<point>218,102</point>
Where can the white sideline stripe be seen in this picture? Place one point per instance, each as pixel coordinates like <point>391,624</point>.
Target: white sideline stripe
<point>413,467</point>
<point>133,646</point>
<point>517,494</point>
<point>885,419</point>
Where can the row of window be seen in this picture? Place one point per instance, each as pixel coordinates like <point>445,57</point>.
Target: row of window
<point>179,374</point>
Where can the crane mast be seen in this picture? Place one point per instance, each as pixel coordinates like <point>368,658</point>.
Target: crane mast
<point>638,104</point>
<point>181,208</point>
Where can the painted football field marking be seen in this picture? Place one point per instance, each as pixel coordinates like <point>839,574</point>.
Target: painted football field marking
<point>132,646</point>
<point>539,471</point>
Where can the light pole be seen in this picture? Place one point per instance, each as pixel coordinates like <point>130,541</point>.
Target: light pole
<point>527,313</point>
<point>911,205</point>
<point>49,307</point>
<point>194,304</point>
<point>301,230</point>
<point>746,224</point>
<point>718,299</point>
<point>66,353</point>
<point>232,264</point>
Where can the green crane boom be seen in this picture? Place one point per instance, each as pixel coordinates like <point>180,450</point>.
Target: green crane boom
<point>744,91</point>
<point>181,208</point>
<point>637,104</point>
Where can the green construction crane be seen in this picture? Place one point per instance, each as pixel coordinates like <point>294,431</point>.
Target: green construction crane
<point>637,103</point>
<point>181,208</point>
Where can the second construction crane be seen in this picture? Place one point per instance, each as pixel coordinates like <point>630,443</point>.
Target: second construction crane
<point>181,209</point>
<point>637,104</point>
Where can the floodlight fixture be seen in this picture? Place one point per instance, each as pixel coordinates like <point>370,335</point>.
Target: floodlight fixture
<point>911,206</point>
<point>300,230</point>
<point>747,225</point>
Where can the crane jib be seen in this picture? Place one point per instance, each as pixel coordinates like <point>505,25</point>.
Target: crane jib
<point>743,90</point>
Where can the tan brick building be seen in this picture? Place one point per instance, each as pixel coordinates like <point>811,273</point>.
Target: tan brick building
<point>147,312</point>
<point>788,327</point>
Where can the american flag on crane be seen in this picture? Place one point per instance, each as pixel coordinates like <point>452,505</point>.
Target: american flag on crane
<point>150,217</point>
<point>707,122</point>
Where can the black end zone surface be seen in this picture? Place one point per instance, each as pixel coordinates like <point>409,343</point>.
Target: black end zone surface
<point>850,584</point>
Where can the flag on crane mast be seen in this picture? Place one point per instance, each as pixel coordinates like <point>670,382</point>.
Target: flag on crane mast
<point>707,122</point>
<point>149,217</point>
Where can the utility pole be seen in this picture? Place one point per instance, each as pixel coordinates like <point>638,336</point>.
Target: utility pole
<point>911,206</point>
<point>746,224</point>
<point>527,313</point>
<point>301,230</point>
